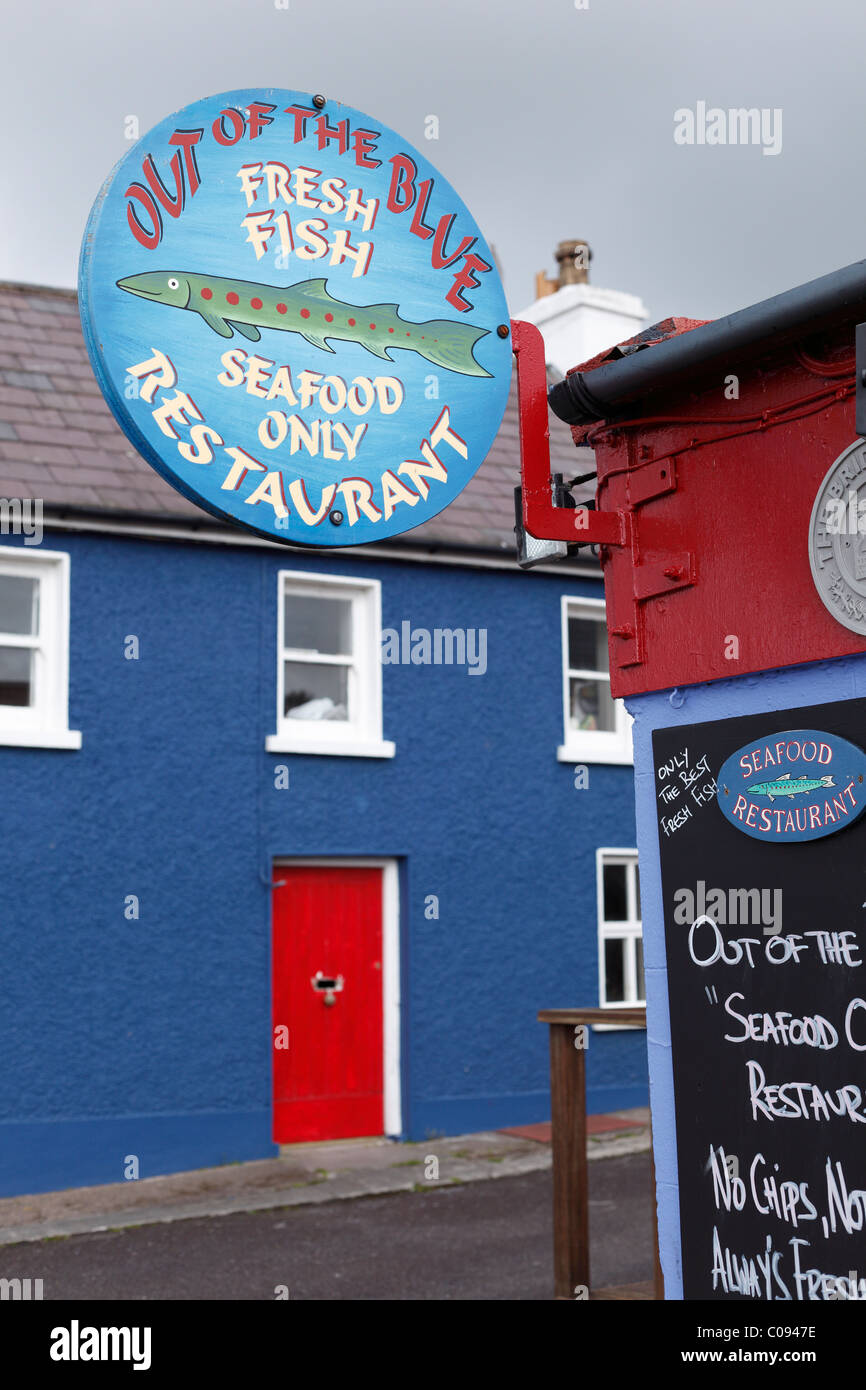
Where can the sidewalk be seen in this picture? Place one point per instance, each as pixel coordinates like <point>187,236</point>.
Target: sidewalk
<point>305,1173</point>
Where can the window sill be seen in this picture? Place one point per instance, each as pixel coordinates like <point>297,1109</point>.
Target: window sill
<point>613,1026</point>
<point>40,738</point>
<point>618,1027</point>
<point>344,748</point>
<point>573,753</point>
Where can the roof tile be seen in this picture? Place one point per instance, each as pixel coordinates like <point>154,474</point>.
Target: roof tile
<point>34,474</point>
<point>49,434</point>
<point>31,414</point>
<point>43,457</point>
<point>15,395</point>
<point>34,381</point>
<point>57,303</point>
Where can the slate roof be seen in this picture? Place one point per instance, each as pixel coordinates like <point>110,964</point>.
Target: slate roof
<point>59,441</point>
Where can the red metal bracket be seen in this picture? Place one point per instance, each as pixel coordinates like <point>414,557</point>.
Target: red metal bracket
<point>654,578</point>
<point>541,518</point>
<point>656,568</point>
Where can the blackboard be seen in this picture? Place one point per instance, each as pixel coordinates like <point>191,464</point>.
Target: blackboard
<point>772,1204</point>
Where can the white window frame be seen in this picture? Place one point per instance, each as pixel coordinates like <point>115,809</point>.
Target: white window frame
<point>45,723</point>
<point>362,737</point>
<point>631,929</point>
<point>595,745</point>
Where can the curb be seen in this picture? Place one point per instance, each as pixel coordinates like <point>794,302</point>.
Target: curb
<point>335,1187</point>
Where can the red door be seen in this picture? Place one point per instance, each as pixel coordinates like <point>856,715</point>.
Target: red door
<point>327,1003</point>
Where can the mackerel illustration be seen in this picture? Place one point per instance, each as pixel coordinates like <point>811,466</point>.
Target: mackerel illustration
<point>786,786</point>
<point>308,309</point>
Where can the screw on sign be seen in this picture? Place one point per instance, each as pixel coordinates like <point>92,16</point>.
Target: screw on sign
<point>312,318</point>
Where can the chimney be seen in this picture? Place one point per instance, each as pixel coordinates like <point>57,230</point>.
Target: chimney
<point>573,258</point>
<point>579,320</point>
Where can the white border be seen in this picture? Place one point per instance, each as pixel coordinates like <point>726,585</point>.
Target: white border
<point>594,745</point>
<point>632,855</point>
<point>54,732</point>
<point>336,739</point>
<point>391,1003</point>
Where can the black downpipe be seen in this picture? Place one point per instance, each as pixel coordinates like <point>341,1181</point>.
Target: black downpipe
<point>600,395</point>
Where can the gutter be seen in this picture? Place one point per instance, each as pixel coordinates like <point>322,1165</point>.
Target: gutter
<point>140,526</point>
<point>601,394</point>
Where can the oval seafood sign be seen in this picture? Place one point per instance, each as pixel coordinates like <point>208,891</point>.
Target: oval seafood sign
<point>798,785</point>
<point>295,319</point>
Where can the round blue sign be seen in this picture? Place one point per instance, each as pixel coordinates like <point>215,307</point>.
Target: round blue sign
<point>295,319</point>
<point>798,785</point>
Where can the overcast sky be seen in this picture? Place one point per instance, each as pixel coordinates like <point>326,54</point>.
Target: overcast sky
<point>554,122</point>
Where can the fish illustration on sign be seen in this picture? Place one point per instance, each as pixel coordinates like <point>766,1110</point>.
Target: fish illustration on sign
<point>788,786</point>
<point>307,308</point>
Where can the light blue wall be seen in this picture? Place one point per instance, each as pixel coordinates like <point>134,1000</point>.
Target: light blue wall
<point>152,1037</point>
<point>787,688</point>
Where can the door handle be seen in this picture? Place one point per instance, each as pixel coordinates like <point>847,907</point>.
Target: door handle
<point>328,985</point>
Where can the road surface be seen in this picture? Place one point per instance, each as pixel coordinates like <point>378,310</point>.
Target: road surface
<point>476,1241</point>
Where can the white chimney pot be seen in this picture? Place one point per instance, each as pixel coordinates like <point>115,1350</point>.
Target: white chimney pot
<point>579,321</point>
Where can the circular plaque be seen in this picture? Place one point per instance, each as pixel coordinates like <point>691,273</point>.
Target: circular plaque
<point>837,539</point>
<point>295,319</point>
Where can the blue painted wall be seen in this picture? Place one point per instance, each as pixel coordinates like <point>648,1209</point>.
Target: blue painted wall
<point>786,688</point>
<point>152,1037</point>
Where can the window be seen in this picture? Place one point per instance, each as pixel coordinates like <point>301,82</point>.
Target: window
<point>34,650</point>
<point>597,727</point>
<point>329,675</point>
<point>620,945</point>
